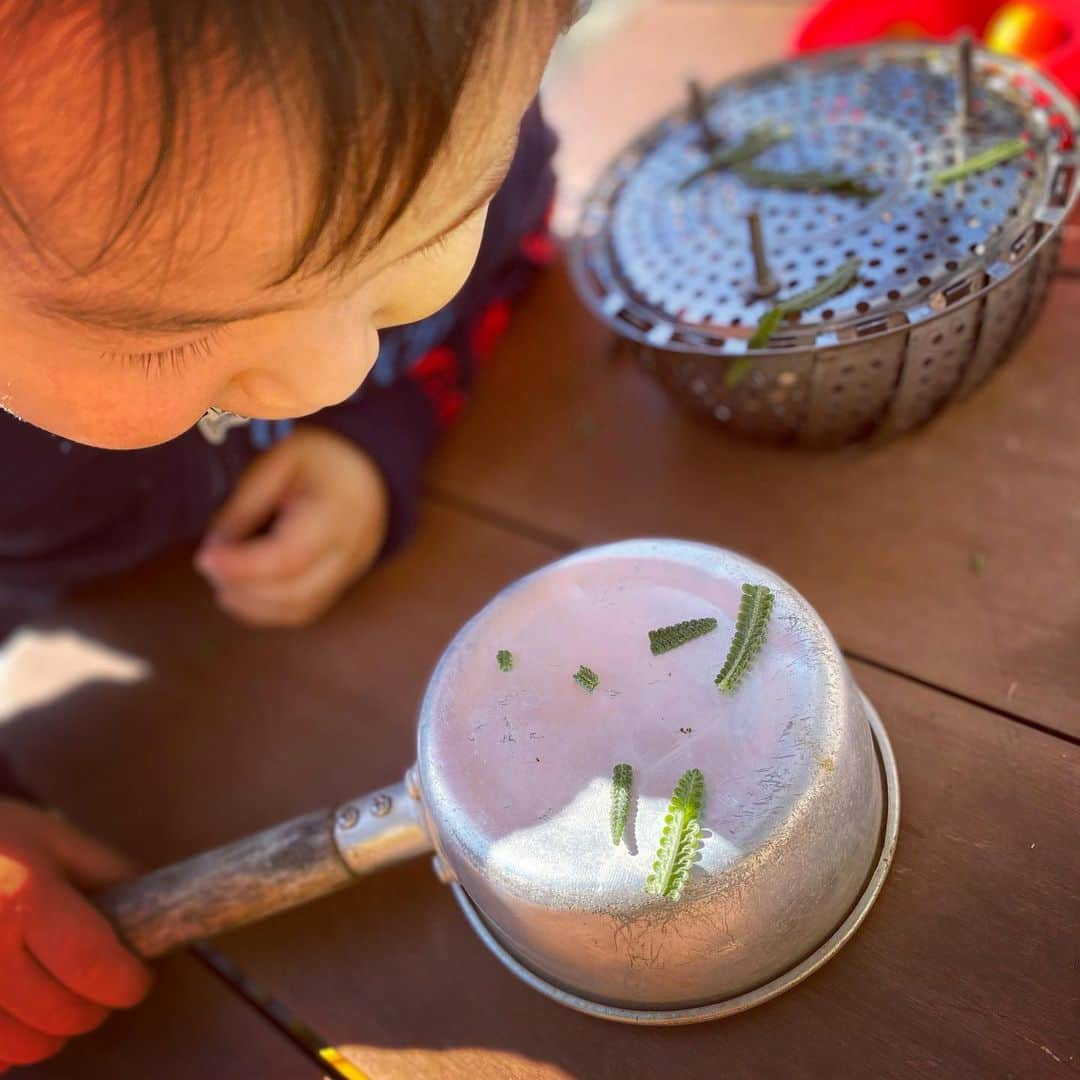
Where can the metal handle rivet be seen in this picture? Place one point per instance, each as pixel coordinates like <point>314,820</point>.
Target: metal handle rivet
<point>381,805</point>
<point>347,817</point>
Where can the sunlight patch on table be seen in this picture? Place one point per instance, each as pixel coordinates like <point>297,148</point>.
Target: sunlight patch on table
<point>461,1063</point>
<point>38,667</point>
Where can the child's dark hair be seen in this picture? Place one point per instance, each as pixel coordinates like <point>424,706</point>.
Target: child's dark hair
<point>382,77</point>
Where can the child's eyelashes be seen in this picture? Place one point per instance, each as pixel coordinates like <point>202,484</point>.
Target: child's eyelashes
<point>436,247</point>
<point>171,358</point>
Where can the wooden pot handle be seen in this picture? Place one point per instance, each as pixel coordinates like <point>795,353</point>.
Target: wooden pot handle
<point>261,875</point>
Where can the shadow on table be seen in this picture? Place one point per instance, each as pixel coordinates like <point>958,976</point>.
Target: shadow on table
<point>164,727</point>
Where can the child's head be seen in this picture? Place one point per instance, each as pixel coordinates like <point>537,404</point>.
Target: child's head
<point>220,202</point>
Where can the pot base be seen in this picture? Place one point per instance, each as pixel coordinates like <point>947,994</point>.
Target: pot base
<point>759,995</point>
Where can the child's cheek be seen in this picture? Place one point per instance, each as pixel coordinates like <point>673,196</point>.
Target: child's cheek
<point>96,401</point>
<point>120,413</point>
<point>309,368</point>
<point>425,283</point>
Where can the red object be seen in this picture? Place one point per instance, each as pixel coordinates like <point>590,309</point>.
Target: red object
<point>1044,32</point>
<point>438,373</point>
<point>539,247</point>
<point>489,327</point>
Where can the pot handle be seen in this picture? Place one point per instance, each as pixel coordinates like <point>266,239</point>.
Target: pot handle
<point>272,871</point>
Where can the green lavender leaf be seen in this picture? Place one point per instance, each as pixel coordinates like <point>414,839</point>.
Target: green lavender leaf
<point>751,627</point>
<point>766,327</point>
<point>505,659</point>
<point>987,159</point>
<point>740,368</point>
<point>836,183</point>
<point>679,839</point>
<point>755,142</point>
<point>622,779</point>
<point>671,637</point>
<point>839,281</point>
<point>586,678</point>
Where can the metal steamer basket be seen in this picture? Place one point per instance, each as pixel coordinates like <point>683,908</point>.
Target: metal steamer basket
<point>951,274</point>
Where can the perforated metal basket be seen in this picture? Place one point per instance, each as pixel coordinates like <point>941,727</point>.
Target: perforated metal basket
<point>951,275</point>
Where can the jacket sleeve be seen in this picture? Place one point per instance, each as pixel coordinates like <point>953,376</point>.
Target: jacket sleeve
<point>425,371</point>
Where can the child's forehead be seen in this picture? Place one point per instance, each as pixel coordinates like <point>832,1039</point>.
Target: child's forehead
<point>83,152</point>
<point>224,211</point>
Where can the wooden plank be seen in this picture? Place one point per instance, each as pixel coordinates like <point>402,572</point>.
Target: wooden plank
<point>881,541</point>
<point>1070,250</point>
<point>190,1026</point>
<point>233,729</point>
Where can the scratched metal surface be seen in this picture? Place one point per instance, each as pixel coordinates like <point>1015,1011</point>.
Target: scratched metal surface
<point>516,772</point>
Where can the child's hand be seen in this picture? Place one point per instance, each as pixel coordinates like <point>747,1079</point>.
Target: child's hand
<point>62,968</point>
<point>328,509</point>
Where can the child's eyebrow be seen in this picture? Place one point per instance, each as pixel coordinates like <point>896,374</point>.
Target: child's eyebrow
<point>135,318</point>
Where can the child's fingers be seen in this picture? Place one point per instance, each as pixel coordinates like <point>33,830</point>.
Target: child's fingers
<point>21,1045</point>
<point>256,496</point>
<point>293,602</point>
<point>33,997</point>
<point>299,536</point>
<point>86,861</point>
<point>74,942</point>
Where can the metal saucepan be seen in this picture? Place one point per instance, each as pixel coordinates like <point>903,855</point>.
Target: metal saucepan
<point>513,785</point>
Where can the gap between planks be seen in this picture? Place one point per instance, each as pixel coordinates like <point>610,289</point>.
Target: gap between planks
<point>323,1055</point>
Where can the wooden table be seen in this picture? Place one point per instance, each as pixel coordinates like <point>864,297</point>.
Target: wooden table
<point>966,967</point>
